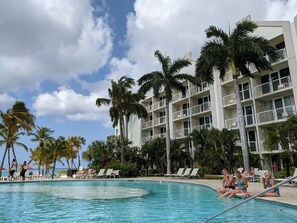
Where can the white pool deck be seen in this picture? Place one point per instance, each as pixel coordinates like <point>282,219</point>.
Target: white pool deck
<point>288,193</point>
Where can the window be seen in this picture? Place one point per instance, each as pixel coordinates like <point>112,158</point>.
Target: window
<point>252,142</point>
<point>186,109</point>
<point>203,103</point>
<point>185,91</point>
<point>248,115</point>
<point>162,117</point>
<point>244,91</point>
<point>187,128</point>
<point>205,122</point>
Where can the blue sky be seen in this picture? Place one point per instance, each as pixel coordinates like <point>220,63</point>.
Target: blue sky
<point>59,56</point>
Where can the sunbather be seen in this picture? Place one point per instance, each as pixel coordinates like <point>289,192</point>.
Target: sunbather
<point>267,183</point>
<point>227,183</point>
<point>241,186</point>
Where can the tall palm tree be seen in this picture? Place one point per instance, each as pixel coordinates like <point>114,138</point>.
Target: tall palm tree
<point>122,100</point>
<point>169,78</point>
<point>38,155</point>
<point>74,144</point>
<point>56,149</point>
<point>42,135</point>
<point>237,51</point>
<point>16,118</point>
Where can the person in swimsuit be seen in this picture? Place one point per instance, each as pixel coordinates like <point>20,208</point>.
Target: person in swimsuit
<point>227,183</point>
<point>267,183</point>
<point>241,186</point>
<point>12,169</point>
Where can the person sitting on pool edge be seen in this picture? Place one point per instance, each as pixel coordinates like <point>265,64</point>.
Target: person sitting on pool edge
<point>241,186</point>
<point>227,182</point>
<point>268,182</point>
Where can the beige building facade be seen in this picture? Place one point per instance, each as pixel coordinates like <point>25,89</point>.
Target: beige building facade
<point>269,97</point>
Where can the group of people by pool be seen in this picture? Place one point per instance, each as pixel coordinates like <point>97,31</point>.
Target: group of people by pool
<point>237,185</point>
<point>13,168</point>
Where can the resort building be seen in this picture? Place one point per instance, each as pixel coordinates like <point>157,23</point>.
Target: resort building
<point>269,97</point>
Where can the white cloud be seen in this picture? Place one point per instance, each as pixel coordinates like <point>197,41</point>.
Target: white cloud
<point>281,10</point>
<point>50,40</point>
<point>74,106</point>
<point>6,101</point>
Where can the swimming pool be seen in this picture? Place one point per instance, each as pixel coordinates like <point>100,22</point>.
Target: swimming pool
<point>127,201</point>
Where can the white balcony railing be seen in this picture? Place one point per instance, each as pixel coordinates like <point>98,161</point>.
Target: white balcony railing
<point>182,133</point>
<point>200,108</point>
<point>159,104</point>
<point>161,120</point>
<point>277,114</point>
<point>149,108</point>
<point>229,99</point>
<point>233,122</point>
<point>180,95</point>
<point>272,86</point>
<point>282,53</point>
<point>161,135</point>
<point>146,139</point>
<point>197,89</point>
<point>181,114</point>
<point>200,127</point>
<point>253,146</point>
<point>147,124</point>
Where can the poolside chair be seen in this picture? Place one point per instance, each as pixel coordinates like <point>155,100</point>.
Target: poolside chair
<point>259,174</point>
<point>293,182</point>
<point>108,173</point>
<point>178,174</point>
<point>194,173</point>
<point>186,173</point>
<point>101,173</point>
<point>116,173</point>
<point>240,169</point>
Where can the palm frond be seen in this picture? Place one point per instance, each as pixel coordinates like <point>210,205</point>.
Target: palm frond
<point>102,101</point>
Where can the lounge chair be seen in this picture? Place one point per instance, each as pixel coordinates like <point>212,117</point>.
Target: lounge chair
<point>293,182</point>
<point>101,173</point>
<point>178,174</point>
<point>259,174</point>
<point>108,173</point>
<point>240,169</point>
<point>187,172</point>
<point>194,173</point>
<point>116,173</point>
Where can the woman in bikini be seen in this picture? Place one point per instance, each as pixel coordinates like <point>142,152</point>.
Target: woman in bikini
<point>240,184</point>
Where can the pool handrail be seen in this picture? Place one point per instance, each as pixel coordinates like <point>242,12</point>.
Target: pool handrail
<point>250,198</point>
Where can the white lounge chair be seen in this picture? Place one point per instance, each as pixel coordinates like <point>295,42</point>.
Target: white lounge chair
<point>108,173</point>
<point>178,174</point>
<point>187,172</point>
<point>101,173</point>
<point>194,173</point>
<point>259,174</point>
<point>116,173</point>
<point>240,169</point>
<point>293,182</point>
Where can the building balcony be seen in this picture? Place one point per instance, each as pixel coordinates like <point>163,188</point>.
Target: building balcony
<point>146,139</point>
<point>147,124</point>
<point>180,96</point>
<point>200,127</point>
<point>200,108</point>
<point>277,114</point>
<point>149,108</point>
<point>159,121</point>
<point>159,104</point>
<point>197,89</point>
<point>273,86</point>
<point>181,133</point>
<point>231,99</point>
<point>161,135</point>
<point>181,114</point>
<point>233,122</point>
<point>282,53</point>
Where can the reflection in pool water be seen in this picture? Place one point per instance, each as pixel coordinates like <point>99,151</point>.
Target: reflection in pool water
<point>98,201</point>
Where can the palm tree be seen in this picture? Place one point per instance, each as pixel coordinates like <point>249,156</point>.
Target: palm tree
<point>74,144</point>
<point>56,149</point>
<point>38,155</point>
<point>42,135</point>
<point>16,118</point>
<point>237,51</point>
<point>169,78</point>
<point>122,101</point>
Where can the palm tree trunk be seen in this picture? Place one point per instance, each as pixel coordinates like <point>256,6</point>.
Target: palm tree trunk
<point>54,168</point>
<point>8,159</point>
<point>122,137</point>
<point>167,137</point>
<point>68,164</point>
<point>7,145</point>
<point>241,123</point>
<point>78,157</point>
<point>14,156</point>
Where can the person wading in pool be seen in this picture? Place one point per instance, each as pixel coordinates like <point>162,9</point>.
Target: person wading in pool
<point>23,170</point>
<point>227,183</point>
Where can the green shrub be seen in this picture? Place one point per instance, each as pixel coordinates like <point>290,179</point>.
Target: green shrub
<point>282,173</point>
<point>211,177</point>
<point>126,169</point>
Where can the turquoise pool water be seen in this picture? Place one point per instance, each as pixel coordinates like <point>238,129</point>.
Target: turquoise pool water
<point>127,201</point>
